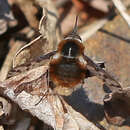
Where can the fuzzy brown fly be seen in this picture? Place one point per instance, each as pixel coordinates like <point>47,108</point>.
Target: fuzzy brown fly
<point>69,66</point>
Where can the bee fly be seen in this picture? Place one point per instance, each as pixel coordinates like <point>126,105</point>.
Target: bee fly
<point>67,67</point>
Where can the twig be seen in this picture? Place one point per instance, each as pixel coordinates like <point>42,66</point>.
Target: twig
<point>122,9</point>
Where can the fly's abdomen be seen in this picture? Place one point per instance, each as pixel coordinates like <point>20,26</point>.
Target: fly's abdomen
<point>67,74</point>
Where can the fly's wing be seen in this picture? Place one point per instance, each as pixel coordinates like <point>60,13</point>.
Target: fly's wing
<point>30,56</point>
<point>117,101</point>
<point>42,60</point>
<point>95,70</point>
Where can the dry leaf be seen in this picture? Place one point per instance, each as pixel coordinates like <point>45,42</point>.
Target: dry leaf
<point>42,44</point>
<point>28,88</point>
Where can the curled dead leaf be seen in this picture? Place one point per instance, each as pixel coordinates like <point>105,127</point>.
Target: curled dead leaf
<point>45,43</point>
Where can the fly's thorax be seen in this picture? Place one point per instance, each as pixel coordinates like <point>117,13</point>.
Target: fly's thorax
<point>70,48</point>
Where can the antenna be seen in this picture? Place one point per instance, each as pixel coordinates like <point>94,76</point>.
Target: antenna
<point>75,26</point>
<point>74,34</point>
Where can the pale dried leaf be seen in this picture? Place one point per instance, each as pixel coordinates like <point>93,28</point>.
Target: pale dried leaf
<point>33,81</point>
<point>44,43</point>
<point>28,88</point>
